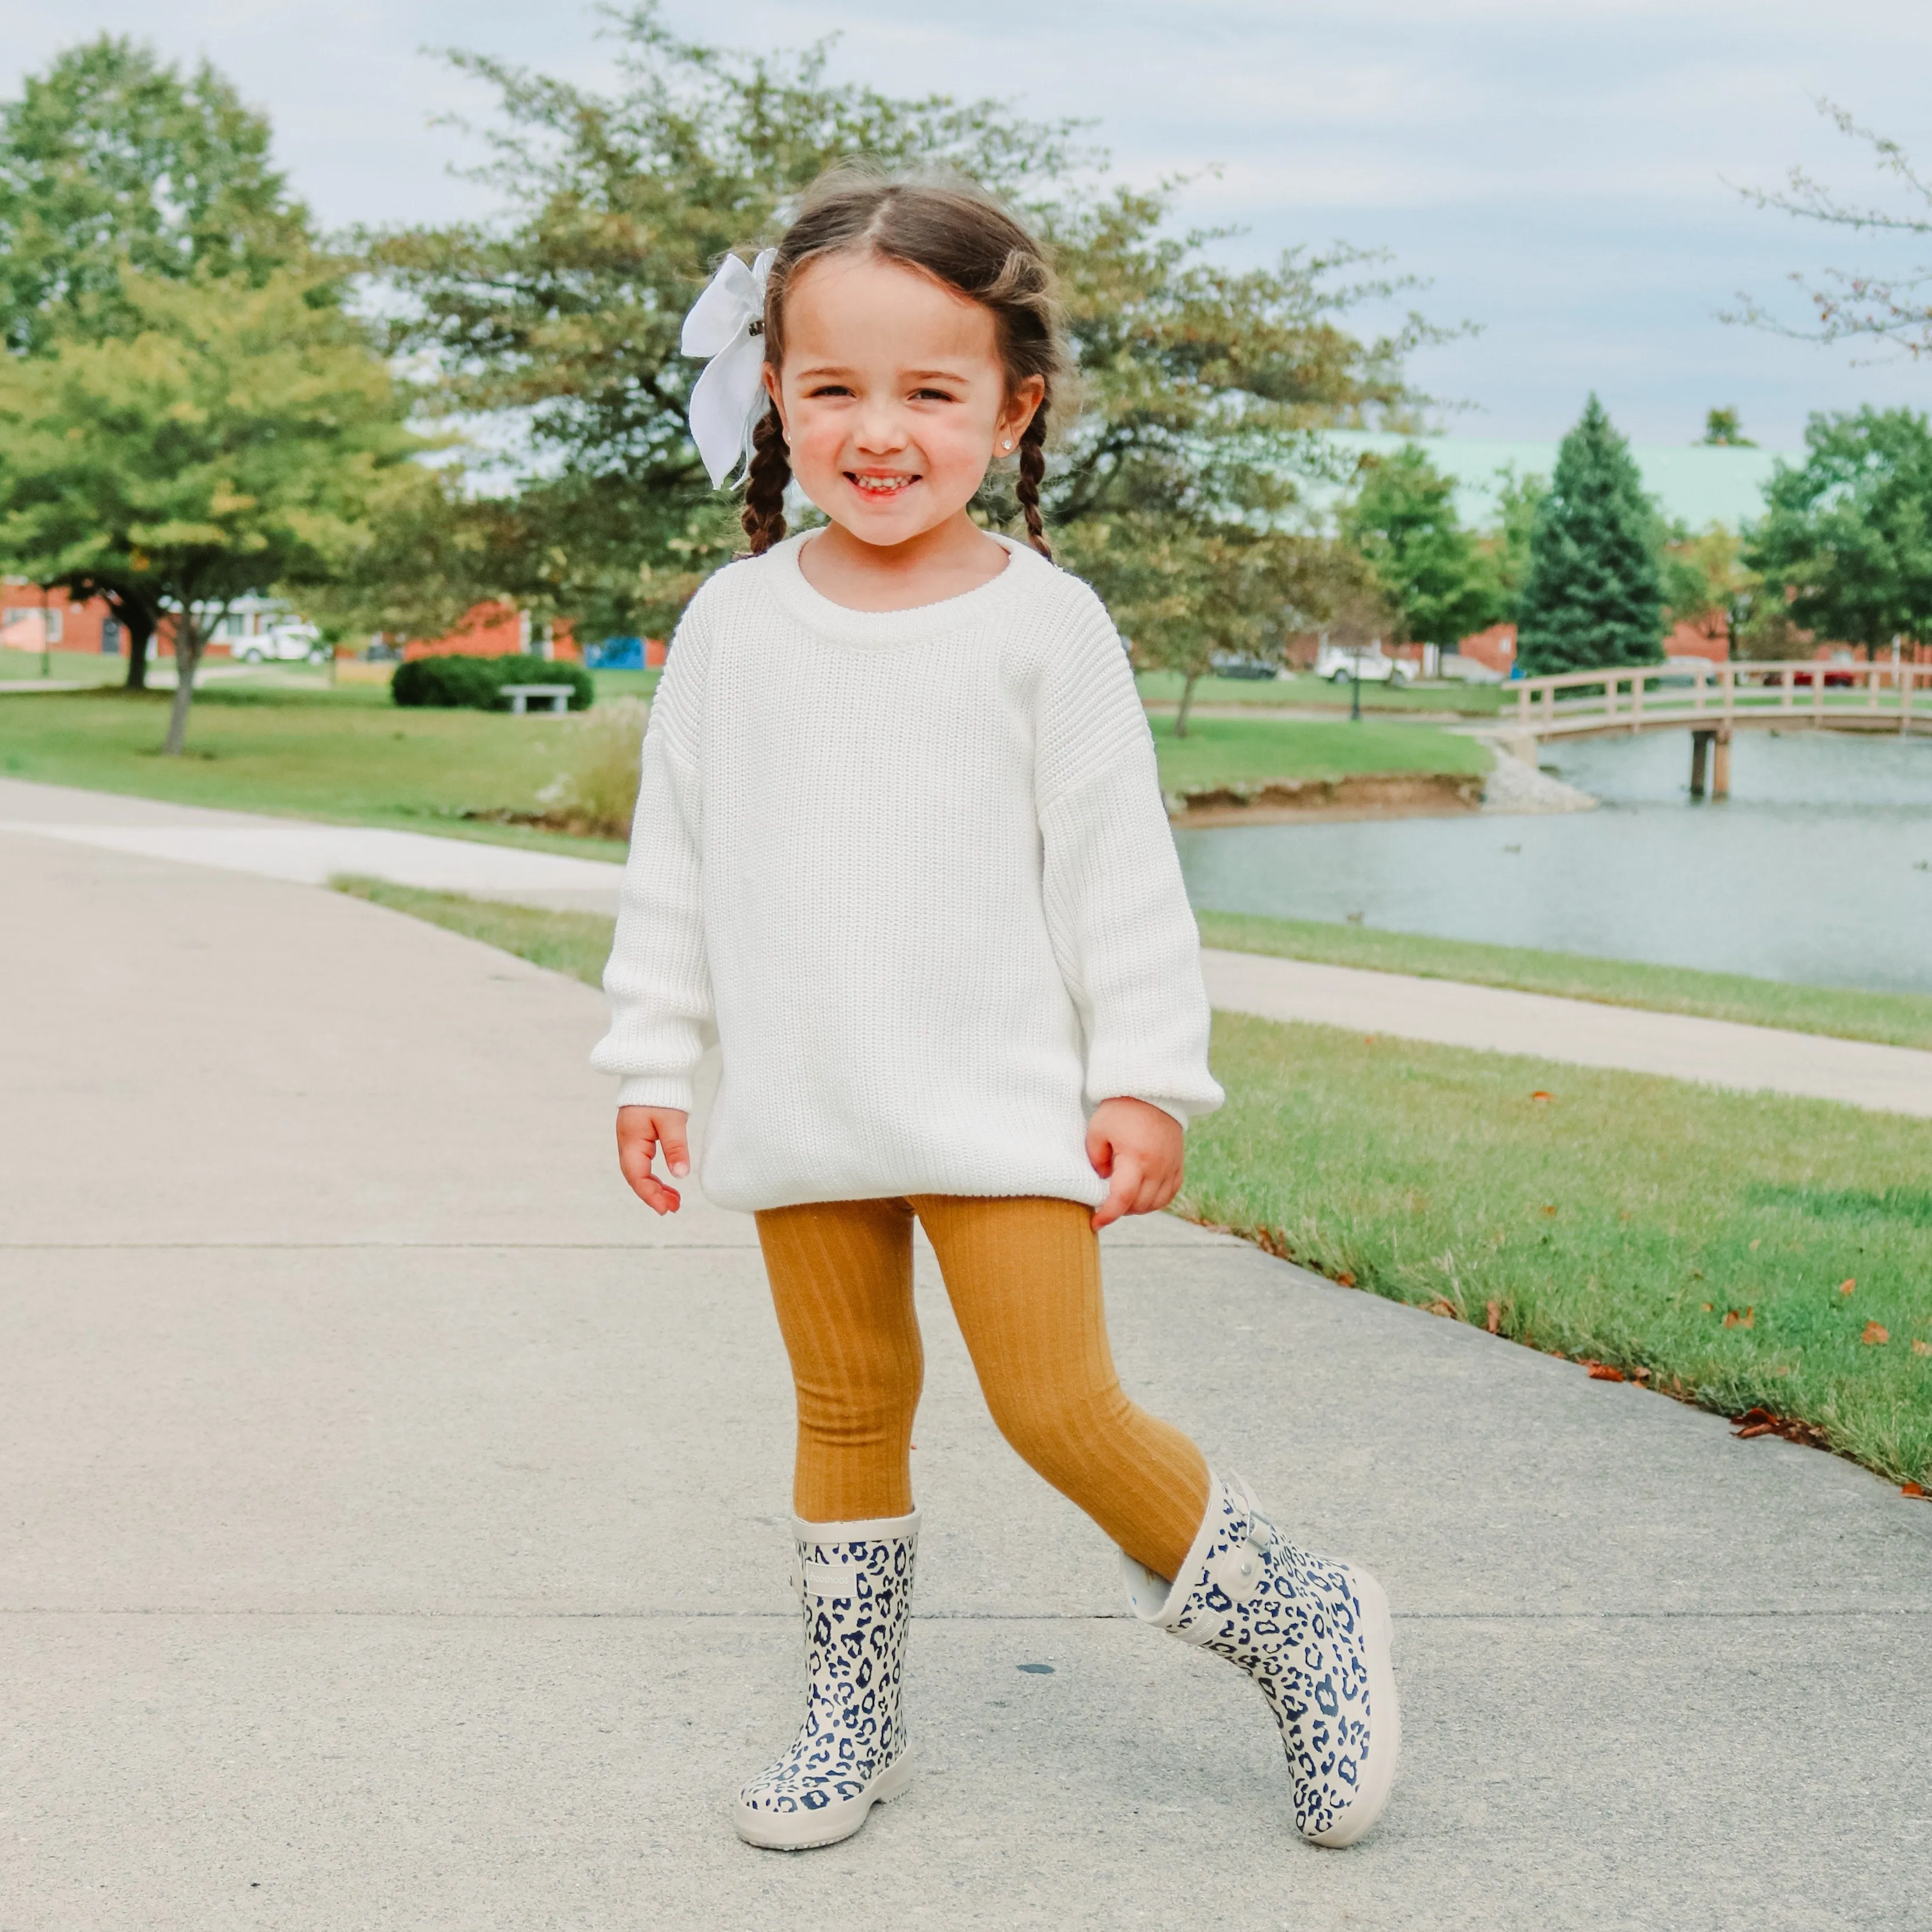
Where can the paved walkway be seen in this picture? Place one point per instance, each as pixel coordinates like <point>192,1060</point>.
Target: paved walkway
<point>395,1517</point>
<point>1578,1032</point>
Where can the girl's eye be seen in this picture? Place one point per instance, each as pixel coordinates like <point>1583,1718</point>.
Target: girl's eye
<point>932,396</point>
<point>829,389</point>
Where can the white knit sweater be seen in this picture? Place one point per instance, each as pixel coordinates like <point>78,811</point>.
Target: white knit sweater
<point>911,868</point>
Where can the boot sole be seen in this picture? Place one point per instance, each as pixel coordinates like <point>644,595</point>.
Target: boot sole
<point>1386,1739</point>
<point>806,1830</point>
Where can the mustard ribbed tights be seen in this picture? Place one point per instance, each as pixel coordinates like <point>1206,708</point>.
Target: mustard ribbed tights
<point>1024,1275</point>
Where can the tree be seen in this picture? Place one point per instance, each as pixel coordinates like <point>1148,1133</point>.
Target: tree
<point>1402,519</point>
<point>561,320</point>
<point>1594,596</point>
<point>239,439</point>
<point>1845,545</point>
<point>1850,304</point>
<point>1506,544</point>
<point>113,158</point>
<point>1705,582</point>
<point>1722,430</point>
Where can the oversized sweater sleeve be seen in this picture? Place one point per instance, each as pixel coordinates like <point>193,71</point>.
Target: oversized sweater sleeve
<point>657,979</point>
<point>1122,932</point>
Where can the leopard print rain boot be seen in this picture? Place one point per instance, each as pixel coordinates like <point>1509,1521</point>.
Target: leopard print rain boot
<point>855,1579</point>
<point>1314,1635</point>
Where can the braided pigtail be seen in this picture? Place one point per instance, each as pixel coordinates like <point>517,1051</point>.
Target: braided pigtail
<point>1033,468</point>
<point>763,516</point>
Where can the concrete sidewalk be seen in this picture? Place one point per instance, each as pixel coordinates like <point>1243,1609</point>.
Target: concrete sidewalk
<point>1577,1032</point>
<point>396,1524</point>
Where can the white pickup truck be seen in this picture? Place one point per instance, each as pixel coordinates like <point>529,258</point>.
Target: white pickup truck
<point>295,642</point>
<point>1342,664</point>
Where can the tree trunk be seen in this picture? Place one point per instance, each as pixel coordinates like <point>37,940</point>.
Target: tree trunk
<point>139,625</point>
<point>1188,680</point>
<point>188,655</point>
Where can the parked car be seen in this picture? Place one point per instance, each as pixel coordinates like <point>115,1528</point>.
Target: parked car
<point>295,642</point>
<point>1229,666</point>
<point>1342,664</point>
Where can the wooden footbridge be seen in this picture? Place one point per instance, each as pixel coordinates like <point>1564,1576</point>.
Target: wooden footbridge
<point>1711,701</point>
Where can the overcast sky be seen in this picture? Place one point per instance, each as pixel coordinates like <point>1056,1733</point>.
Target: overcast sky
<point>1558,172</point>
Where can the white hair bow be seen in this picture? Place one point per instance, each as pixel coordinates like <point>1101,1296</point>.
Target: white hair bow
<point>725,324</point>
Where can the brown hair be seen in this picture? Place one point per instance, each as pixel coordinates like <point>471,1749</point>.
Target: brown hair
<point>959,235</point>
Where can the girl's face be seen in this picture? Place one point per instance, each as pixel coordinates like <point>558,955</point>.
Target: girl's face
<point>892,396</point>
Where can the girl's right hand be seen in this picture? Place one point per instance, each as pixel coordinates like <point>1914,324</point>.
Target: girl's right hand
<point>641,1131</point>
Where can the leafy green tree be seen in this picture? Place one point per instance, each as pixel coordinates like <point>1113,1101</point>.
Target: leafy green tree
<point>1594,595</point>
<point>238,440</point>
<point>1722,430</point>
<point>1706,583</point>
<point>1845,545</point>
<point>111,158</point>
<point>1506,544</point>
<point>561,320</point>
<point>1436,577</point>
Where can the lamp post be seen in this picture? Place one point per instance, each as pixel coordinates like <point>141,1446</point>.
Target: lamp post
<point>1355,686</point>
<point>46,643</point>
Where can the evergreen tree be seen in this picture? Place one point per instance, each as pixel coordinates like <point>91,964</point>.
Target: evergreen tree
<point>1594,595</point>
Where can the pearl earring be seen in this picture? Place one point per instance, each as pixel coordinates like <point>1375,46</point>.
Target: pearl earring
<point>1007,444</point>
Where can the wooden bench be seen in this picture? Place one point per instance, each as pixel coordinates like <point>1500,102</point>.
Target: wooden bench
<point>551,697</point>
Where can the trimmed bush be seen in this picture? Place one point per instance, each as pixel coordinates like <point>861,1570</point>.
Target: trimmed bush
<point>457,682</point>
<point>449,682</point>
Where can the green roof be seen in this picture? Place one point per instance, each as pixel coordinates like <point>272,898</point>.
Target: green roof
<point>1695,483</point>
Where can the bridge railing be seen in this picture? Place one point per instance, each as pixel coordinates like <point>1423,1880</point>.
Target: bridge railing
<point>1689,692</point>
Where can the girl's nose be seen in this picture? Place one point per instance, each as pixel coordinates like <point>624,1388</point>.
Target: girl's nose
<point>880,430</point>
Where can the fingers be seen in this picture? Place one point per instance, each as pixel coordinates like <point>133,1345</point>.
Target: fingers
<point>1124,1192</point>
<point>641,1131</point>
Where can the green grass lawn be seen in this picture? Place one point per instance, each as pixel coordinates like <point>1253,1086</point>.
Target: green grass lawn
<point>352,755</point>
<point>1472,700</point>
<point>349,755</point>
<point>1694,1239</point>
<point>1619,1220</point>
<point>1896,1019</point>
<point>63,668</point>
<point>1236,751</point>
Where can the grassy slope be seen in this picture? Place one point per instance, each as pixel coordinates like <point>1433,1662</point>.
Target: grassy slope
<point>1599,1222</point>
<point>349,755</point>
<point>1896,1019</point>
<point>1620,1220</point>
<point>1158,687</point>
<point>1227,751</point>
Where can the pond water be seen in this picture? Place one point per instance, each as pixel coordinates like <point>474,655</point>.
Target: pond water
<point>1818,869</point>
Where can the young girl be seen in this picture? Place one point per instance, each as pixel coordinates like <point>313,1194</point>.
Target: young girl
<point>900,846</point>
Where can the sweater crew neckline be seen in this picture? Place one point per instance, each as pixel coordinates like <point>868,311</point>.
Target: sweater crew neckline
<point>884,629</point>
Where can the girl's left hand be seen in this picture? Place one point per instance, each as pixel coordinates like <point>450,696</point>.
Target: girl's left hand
<point>1137,1148</point>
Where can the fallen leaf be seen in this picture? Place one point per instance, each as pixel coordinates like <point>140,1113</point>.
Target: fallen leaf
<point>1911,1489</point>
<point>1762,1422</point>
<point>1639,1375</point>
<point>1757,1244</point>
<point>1919,1347</point>
<point>1602,1372</point>
<point>1748,1319</point>
<point>1550,1207</point>
<point>1709,1308</point>
<point>1346,1280</point>
<point>1439,1307</point>
<point>1369,1039</point>
<point>1845,1287</point>
<point>1876,1335</point>
<point>1539,1095</point>
<point>1493,1320</point>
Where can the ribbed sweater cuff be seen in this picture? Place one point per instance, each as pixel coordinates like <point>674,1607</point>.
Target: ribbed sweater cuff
<point>656,1089</point>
